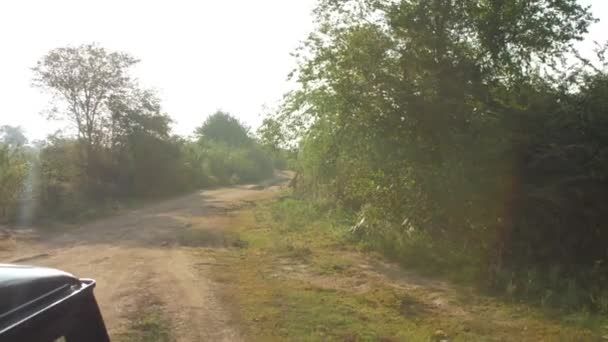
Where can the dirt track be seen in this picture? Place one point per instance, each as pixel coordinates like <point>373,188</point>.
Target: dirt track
<point>142,257</point>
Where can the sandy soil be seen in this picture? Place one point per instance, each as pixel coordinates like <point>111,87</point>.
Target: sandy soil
<point>143,257</point>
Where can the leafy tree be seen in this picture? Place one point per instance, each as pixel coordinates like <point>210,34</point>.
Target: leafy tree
<point>12,136</point>
<point>270,134</point>
<point>85,79</point>
<point>62,181</point>
<point>427,116</point>
<point>13,169</point>
<point>122,147</point>
<point>224,128</point>
<point>227,153</point>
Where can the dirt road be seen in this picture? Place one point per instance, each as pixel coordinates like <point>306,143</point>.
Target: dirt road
<point>159,256</point>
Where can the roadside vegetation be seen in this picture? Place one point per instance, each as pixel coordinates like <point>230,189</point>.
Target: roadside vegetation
<point>302,277</point>
<point>117,145</point>
<point>467,137</point>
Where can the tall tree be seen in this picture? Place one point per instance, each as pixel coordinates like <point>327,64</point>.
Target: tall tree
<point>13,168</point>
<point>224,128</point>
<point>84,79</point>
<point>417,111</point>
<point>12,136</point>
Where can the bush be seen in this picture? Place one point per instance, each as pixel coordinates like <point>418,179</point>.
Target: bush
<point>456,153</point>
<point>295,214</point>
<point>230,165</point>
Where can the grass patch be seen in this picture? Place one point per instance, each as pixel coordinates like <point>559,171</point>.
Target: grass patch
<point>292,249</point>
<point>333,266</point>
<point>324,294</point>
<point>417,250</point>
<point>277,309</point>
<point>313,314</point>
<point>150,325</point>
<point>210,238</point>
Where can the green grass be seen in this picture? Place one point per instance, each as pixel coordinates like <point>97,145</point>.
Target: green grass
<point>418,251</point>
<point>333,266</point>
<point>313,314</point>
<point>149,325</point>
<point>296,280</point>
<point>194,237</point>
<point>278,309</point>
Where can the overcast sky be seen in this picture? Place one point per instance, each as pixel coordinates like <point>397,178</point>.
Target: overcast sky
<point>200,55</point>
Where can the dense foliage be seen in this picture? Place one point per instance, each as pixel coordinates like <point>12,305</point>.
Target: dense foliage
<point>465,134</point>
<point>121,145</point>
<point>232,155</point>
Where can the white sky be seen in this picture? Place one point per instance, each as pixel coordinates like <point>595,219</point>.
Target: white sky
<point>200,55</point>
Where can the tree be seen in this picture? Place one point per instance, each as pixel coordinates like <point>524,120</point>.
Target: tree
<point>85,79</point>
<point>224,128</point>
<point>270,134</point>
<point>141,145</point>
<point>12,136</point>
<point>13,168</point>
<point>427,114</point>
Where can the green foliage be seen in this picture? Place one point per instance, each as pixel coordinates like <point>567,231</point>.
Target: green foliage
<point>220,164</point>
<point>452,130</point>
<point>122,147</point>
<point>225,129</point>
<point>86,81</point>
<point>62,179</point>
<point>227,154</point>
<point>311,283</point>
<point>12,136</point>
<point>14,168</point>
<point>294,214</point>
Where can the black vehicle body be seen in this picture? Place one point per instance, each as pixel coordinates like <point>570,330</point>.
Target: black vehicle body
<point>44,304</point>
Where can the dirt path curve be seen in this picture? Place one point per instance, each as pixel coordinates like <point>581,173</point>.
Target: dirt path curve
<point>145,257</point>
